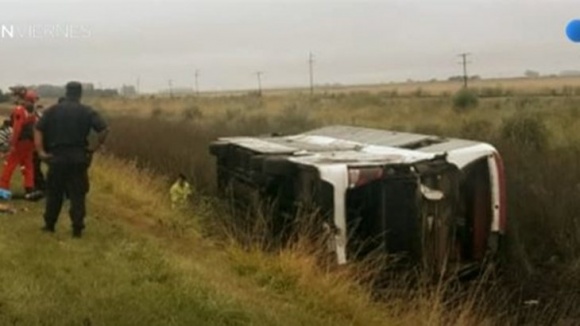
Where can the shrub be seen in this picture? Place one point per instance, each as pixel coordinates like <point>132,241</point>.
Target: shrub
<point>477,130</point>
<point>4,97</point>
<point>491,91</point>
<point>528,131</point>
<point>293,120</point>
<point>465,99</point>
<point>191,112</point>
<point>523,102</point>
<point>361,99</point>
<point>419,92</point>
<point>568,90</point>
<point>157,112</point>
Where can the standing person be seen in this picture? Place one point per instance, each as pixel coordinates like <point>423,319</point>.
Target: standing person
<point>61,139</point>
<point>21,142</point>
<point>39,181</point>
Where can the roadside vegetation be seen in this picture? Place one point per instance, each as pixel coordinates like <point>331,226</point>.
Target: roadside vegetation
<point>537,136</point>
<point>142,263</point>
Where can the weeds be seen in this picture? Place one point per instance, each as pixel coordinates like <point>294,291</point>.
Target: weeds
<point>526,132</point>
<point>542,179</point>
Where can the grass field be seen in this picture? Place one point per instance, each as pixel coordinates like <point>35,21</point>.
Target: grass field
<point>141,263</point>
<point>536,134</point>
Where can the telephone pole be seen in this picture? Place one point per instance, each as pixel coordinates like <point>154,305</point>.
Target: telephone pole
<point>196,82</point>
<point>138,86</point>
<point>170,84</point>
<point>259,76</point>
<point>464,63</point>
<point>311,69</point>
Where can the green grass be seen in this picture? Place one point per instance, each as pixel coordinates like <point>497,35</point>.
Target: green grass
<point>108,278</point>
<point>144,264</point>
<point>140,263</point>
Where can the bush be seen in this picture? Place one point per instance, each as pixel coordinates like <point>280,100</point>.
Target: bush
<point>477,130</point>
<point>157,112</point>
<point>465,99</point>
<point>4,97</point>
<point>293,120</point>
<point>568,90</point>
<point>529,132</point>
<point>491,91</point>
<point>524,102</point>
<point>192,112</point>
<point>419,92</point>
<point>362,99</point>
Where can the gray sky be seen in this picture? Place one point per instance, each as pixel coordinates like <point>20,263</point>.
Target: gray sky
<point>228,41</point>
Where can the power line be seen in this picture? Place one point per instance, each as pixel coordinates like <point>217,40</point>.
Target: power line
<point>464,63</point>
<point>196,82</point>
<point>259,76</point>
<point>311,70</point>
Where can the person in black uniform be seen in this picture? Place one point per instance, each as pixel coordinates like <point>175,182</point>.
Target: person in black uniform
<point>39,181</point>
<point>61,140</point>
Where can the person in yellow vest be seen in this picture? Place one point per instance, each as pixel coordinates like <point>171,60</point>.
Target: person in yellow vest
<point>180,192</point>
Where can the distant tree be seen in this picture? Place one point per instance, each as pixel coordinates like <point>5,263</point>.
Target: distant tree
<point>88,87</point>
<point>107,92</point>
<point>459,78</point>
<point>455,78</point>
<point>128,90</point>
<point>51,91</point>
<point>4,97</point>
<point>531,74</point>
<point>89,90</point>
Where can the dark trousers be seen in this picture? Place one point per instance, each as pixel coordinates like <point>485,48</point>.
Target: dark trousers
<point>39,182</point>
<point>72,179</point>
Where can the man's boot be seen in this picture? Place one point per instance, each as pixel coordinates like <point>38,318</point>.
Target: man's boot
<point>33,195</point>
<point>47,229</point>
<point>77,233</point>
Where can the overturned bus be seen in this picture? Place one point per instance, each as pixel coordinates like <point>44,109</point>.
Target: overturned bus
<point>430,199</point>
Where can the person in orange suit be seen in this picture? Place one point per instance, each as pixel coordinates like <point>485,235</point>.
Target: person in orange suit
<point>22,149</point>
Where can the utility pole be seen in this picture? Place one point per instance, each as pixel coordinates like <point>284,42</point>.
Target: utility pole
<point>138,86</point>
<point>170,83</point>
<point>311,69</point>
<point>259,76</point>
<point>464,63</point>
<point>196,82</point>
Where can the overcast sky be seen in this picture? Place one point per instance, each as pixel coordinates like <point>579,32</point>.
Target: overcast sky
<point>116,42</point>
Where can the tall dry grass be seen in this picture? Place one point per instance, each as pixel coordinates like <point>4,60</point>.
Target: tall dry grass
<point>537,137</point>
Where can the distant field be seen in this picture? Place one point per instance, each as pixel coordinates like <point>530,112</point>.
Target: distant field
<point>541,85</point>
<point>546,86</point>
<point>518,85</point>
